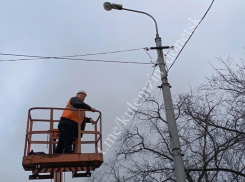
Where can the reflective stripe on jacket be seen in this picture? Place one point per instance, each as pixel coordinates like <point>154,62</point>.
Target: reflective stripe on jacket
<point>71,114</point>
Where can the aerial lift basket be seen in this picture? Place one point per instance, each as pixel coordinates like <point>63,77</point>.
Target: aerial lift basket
<point>51,166</point>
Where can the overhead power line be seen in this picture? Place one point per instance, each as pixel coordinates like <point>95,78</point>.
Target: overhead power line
<point>70,57</point>
<point>190,36</point>
<point>112,52</point>
<point>78,59</point>
<point>89,54</point>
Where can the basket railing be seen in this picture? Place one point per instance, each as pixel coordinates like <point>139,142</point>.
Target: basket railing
<point>97,132</point>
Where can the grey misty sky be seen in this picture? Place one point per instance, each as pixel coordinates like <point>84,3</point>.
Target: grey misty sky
<point>58,28</point>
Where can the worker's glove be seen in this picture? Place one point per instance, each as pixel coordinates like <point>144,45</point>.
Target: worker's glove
<point>93,109</point>
<point>92,121</point>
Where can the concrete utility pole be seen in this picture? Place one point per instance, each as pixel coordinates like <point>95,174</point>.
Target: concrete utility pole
<point>172,127</point>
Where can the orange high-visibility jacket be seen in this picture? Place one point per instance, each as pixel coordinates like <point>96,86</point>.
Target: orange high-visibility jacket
<point>71,114</point>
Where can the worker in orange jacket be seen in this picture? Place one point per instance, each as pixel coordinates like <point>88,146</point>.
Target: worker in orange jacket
<point>68,124</point>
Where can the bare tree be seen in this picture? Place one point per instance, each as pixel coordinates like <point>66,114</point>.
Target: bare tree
<point>211,123</point>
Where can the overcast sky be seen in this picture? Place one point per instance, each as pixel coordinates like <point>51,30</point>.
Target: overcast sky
<point>62,28</point>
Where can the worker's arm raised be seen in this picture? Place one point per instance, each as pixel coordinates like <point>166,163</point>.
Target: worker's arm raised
<point>93,109</point>
<point>78,103</point>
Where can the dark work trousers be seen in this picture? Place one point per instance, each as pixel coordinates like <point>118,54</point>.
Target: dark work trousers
<point>67,136</point>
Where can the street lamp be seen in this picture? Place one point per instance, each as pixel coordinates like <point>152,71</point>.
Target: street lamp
<point>172,127</point>
<point>109,6</point>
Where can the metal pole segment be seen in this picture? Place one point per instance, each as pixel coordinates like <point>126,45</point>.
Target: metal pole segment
<point>101,132</point>
<point>27,136</point>
<point>50,131</point>
<point>30,137</point>
<point>163,47</point>
<point>172,126</point>
<point>79,131</point>
<point>95,138</point>
<point>58,177</point>
<point>145,14</point>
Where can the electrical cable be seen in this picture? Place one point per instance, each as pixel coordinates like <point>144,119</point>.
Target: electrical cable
<point>146,50</point>
<point>152,72</point>
<point>89,54</point>
<point>101,53</point>
<point>190,36</point>
<point>76,59</point>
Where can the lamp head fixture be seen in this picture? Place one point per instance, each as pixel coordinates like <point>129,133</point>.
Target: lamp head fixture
<point>109,6</point>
